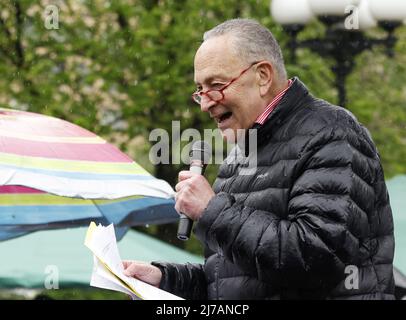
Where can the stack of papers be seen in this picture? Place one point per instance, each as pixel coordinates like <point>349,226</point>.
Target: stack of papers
<point>108,269</point>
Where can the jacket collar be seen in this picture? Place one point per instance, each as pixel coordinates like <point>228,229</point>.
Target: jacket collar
<point>293,100</point>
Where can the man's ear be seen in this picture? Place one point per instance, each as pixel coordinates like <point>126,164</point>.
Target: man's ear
<point>265,77</point>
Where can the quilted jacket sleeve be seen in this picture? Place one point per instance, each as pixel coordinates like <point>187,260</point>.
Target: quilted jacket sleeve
<point>184,280</point>
<point>311,246</point>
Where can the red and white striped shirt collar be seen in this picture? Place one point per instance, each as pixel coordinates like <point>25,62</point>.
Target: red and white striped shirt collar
<point>270,107</point>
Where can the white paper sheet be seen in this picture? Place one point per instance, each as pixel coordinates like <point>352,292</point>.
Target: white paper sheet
<point>108,270</point>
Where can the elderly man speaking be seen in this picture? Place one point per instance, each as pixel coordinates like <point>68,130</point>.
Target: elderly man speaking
<point>313,221</point>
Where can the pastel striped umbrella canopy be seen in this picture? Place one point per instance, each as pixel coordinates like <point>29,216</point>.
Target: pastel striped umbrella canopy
<point>54,174</point>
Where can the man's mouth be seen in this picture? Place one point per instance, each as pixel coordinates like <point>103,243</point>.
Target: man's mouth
<point>223,117</point>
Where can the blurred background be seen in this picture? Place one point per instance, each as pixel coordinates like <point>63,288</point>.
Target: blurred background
<point>123,68</point>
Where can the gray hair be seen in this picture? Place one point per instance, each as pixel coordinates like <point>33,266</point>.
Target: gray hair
<point>252,41</point>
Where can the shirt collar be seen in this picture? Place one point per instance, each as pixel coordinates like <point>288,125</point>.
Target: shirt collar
<point>272,105</point>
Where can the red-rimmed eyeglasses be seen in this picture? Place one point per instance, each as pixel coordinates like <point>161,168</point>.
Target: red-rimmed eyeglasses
<point>217,95</point>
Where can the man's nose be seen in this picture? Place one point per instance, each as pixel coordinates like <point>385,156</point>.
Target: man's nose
<point>206,103</point>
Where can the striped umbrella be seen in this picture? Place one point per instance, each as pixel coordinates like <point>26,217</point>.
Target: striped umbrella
<point>54,174</point>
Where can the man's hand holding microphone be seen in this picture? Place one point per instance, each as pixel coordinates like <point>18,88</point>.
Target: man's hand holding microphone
<point>193,193</point>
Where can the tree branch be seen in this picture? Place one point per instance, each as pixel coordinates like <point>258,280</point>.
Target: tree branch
<point>18,44</point>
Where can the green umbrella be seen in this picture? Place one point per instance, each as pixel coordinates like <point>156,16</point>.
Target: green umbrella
<point>397,194</point>
<point>27,262</point>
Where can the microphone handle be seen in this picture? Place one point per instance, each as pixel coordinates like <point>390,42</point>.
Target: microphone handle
<point>184,227</point>
<point>185,223</point>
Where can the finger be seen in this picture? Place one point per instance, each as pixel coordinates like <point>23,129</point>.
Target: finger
<point>127,263</point>
<point>130,271</point>
<point>181,185</point>
<point>180,205</point>
<point>138,270</point>
<point>177,207</point>
<point>183,175</point>
<point>195,181</point>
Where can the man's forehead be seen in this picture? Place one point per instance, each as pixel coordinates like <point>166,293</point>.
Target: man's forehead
<point>215,59</point>
<point>211,70</point>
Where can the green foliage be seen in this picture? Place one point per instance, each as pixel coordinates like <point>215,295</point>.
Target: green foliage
<point>63,294</point>
<point>81,294</point>
<point>124,68</point>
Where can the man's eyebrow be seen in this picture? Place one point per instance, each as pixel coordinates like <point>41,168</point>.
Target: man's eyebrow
<point>211,78</point>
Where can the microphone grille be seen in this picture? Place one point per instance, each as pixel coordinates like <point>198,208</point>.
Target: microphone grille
<point>200,150</point>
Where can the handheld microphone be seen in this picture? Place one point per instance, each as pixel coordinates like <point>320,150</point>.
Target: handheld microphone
<point>199,158</point>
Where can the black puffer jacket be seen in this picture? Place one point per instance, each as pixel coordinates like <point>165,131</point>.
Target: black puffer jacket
<point>314,214</point>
